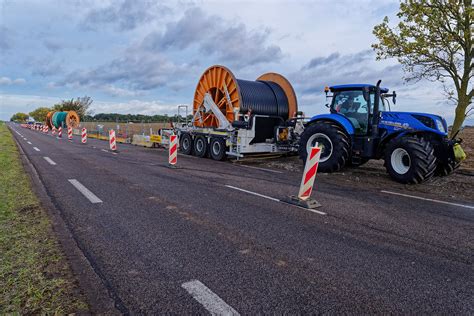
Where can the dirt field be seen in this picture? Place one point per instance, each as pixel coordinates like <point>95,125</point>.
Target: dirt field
<point>467,136</point>
<point>459,185</point>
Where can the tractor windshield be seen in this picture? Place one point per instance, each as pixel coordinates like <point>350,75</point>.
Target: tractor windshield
<point>354,106</point>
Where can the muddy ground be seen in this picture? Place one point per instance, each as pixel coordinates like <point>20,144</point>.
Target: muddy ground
<point>459,185</point>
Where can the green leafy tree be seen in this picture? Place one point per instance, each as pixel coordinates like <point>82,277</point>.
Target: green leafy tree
<point>433,40</point>
<point>40,114</point>
<point>19,117</point>
<point>80,105</point>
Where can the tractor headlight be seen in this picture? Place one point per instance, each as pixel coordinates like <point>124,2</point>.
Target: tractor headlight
<point>440,125</point>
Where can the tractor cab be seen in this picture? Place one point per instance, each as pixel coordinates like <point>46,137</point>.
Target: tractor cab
<point>356,103</point>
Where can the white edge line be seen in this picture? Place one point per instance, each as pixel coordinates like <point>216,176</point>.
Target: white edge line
<point>50,161</point>
<point>428,199</point>
<point>263,169</point>
<point>274,199</point>
<point>210,300</point>
<point>85,191</point>
<point>253,193</point>
<point>36,148</point>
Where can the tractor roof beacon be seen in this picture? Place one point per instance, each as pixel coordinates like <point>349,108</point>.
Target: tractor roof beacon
<point>361,126</point>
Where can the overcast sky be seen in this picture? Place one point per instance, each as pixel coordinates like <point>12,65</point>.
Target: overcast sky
<point>147,56</point>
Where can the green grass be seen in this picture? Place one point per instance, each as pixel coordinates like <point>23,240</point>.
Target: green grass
<point>34,275</point>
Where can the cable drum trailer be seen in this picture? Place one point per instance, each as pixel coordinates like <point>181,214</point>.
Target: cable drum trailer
<point>234,117</point>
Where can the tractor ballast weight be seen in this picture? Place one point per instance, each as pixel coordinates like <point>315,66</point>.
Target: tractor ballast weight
<point>415,146</point>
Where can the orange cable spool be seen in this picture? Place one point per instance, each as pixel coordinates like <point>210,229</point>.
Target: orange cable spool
<point>272,94</point>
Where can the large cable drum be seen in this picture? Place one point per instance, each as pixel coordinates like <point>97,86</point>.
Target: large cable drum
<point>271,94</point>
<point>65,119</point>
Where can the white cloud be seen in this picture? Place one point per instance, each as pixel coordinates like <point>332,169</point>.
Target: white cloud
<point>7,81</point>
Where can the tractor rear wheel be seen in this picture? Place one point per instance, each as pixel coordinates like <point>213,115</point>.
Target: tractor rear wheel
<point>333,141</point>
<point>410,159</point>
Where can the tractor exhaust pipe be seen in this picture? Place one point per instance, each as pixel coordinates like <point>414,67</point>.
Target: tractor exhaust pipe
<point>375,118</point>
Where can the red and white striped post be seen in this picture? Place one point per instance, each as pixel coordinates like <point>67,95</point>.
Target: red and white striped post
<point>46,129</point>
<point>69,134</point>
<point>84,136</point>
<point>306,187</point>
<point>173,151</point>
<point>53,131</point>
<point>112,140</point>
<point>60,132</point>
<point>310,169</point>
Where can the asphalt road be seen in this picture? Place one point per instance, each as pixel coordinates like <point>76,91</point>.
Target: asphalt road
<point>190,240</point>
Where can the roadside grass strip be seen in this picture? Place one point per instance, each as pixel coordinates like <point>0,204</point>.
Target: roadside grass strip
<point>34,275</point>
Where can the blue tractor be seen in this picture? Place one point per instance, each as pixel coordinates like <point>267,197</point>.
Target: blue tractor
<point>360,126</point>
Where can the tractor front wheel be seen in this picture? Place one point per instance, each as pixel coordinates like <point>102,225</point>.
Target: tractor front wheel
<point>446,168</point>
<point>333,141</point>
<point>410,159</point>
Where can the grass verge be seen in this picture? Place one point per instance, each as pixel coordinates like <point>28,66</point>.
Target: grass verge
<point>34,275</point>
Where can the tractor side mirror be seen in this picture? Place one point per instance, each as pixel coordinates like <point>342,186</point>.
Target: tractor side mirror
<point>394,97</point>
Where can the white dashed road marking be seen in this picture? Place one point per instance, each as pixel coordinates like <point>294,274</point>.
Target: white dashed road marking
<point>29,143</point>
<point>36,148</point>
<point>210,300</point>
<point>50,161</point>
<point>427,199</point>
<point>85,191</point>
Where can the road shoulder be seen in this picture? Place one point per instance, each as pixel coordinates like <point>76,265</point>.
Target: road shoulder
<point>97,295</point>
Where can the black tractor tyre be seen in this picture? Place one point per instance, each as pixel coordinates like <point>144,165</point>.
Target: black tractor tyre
<point>339,140</point>
<point>217,148</point>
<point>446,168</point>
<point>410,159</point>
<point>200,146</point>
<point>186,144</point>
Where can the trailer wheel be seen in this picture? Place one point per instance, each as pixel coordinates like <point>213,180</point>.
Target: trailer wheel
<point>186,144</point>
<point>200,146</point>
<point>217,148</point>
<point>334,142</point>
<point>410,159</point>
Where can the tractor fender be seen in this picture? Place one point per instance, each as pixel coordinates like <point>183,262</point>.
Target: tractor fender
<point>336,118</point>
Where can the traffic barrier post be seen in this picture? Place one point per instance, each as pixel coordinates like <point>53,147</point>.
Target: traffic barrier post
<point>84,136</point>
<point>112,140</point>
<point>173,151</point>
<point>303,198</point>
